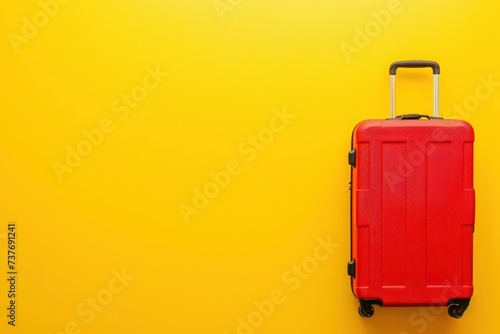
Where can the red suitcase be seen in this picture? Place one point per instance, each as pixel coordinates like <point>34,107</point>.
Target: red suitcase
<point>412,209</point>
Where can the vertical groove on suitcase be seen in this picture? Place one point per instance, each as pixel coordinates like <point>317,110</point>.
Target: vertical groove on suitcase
<point>440,170</point>
<point>393,209</point>
<point>417,190</point>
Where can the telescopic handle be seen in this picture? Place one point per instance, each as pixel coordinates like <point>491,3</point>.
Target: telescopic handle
<point>436,70</point>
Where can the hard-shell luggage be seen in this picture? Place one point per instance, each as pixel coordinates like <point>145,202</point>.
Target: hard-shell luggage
<point>412,209</point>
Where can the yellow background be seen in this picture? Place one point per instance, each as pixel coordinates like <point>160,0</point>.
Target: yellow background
<point>229,72</point>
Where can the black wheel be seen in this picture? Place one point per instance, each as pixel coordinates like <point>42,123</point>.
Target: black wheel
<point>456,311</point>
<point>366,312</point>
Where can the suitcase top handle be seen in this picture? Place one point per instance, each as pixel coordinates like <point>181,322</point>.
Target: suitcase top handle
<point>436,70</point>
<point>414,64</point>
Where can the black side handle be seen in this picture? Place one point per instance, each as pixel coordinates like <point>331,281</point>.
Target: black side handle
<point>414,64</point>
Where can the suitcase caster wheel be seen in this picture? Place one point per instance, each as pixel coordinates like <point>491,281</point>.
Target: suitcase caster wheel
<point>456,311</point>
<point>366,312</point>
